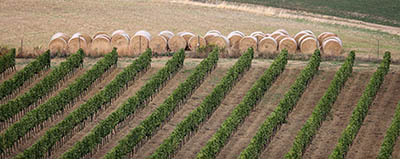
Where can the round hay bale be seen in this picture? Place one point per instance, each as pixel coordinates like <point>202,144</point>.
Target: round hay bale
<point>60,35</point>
<point>120,40</point>
<point>101,45</point>
<point>75,43</point>
<point>280,37</point>
<point>100,33</point>
<point>247,42</point>
<point>336,38</point>
<point>305,36</point>
<point>308,45</point>
<point>276,34</point>
<point>57,46</point>
<point>209,37</point>
<point>309,32</point>
<point>166,34</point>
<point>299,35</point>
<point>283,31</point>
<point>220,41</point>
<point>258,35</point>
<point>267,45</point>
<point>332,47</point>
<point>186,35</point>
<point>176,42</point>
<point>86,37</point>
<point>238,32</point>
<point>196,42</point>
<point>214,31</point>
<point>324,35</point>
<point>139,42</point>
<point>118,32</point>
<point>159,44</point>
<point>289,44</point>
<point>234,38</point>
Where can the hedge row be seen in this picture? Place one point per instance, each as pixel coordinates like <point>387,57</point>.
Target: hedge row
<point>310,128</point>
<point>361,110</point>
<point>279,115</point>
<point>7,61</point>
<point>193,121</point>
<point>241,111</point>
<point>132,105</point>
<point>150,125</point>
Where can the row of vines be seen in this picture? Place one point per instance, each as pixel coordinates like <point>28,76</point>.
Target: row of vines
<point>108,126</point>
<point>279,115</point>
<point>7,62</point>
<point>193,121</point>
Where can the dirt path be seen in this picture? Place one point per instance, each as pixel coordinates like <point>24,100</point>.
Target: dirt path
<point>87,96</point>
<point>396,149</point>
<point>142,114</point>
<point>52,93</point>
<point>102,115</point>
<point>194,145</point>
<point>326,139</point>
<point>8,75</point>
<point>241,138</point>
<point>370,136</point>
<point>198,96</point>
<point>284,137</point>
<point>26,86</point>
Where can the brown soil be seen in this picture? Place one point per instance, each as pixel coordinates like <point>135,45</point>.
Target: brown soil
<point>27,85</point>
<point>377,121</point>
<point>396,149</point>
<point>194,145</point>
<point>282,141</point>
<point>8,75</point>
<point>197,97</point>
<point>325,140</point>
<point>142,114</point>
<point>241,138</point>
<point>87,96</point>
<point>102,115</point>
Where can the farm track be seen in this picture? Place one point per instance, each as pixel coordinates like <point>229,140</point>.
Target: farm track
<point>208,128</point>
<point>378,120</point>
<point>192,103</point>
<point>284,137</point>
<point>8,75</point>
<point>26,86</point>
<point>131,90</point>
<point>241,138</point>
<point>328,135</point>
<point>396,149</point>
<point>131,123</point>
<point>58,118</point>
<point>63,85</point>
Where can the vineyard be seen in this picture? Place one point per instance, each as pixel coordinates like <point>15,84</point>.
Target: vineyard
<point>181,107</point>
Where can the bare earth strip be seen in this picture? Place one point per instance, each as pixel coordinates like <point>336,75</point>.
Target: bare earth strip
<point>59,118</point>
<point>8,75</point>
<point>241,138</point>
<point>377,121</point>
<point>101,116</point>
<point>200,138</point>
<point>284,137</point>
<point>198,96</point>
<point>142,114</point>
<point>396,149</point>
<point>326,139</point>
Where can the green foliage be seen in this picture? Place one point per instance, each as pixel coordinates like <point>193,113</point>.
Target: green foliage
<point>361,110</point>
<point>310,128</point>
<point>279,115</point>
<point>141,98</point>
<point>207,107</point>
<point>7,61</point>
<point>376,11</point>
<point>391,136</point>
<point>149,126</point>
<point>7,87</point>
<point>58,102</point>
<point>42,88</point>
<point>241,111</point>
